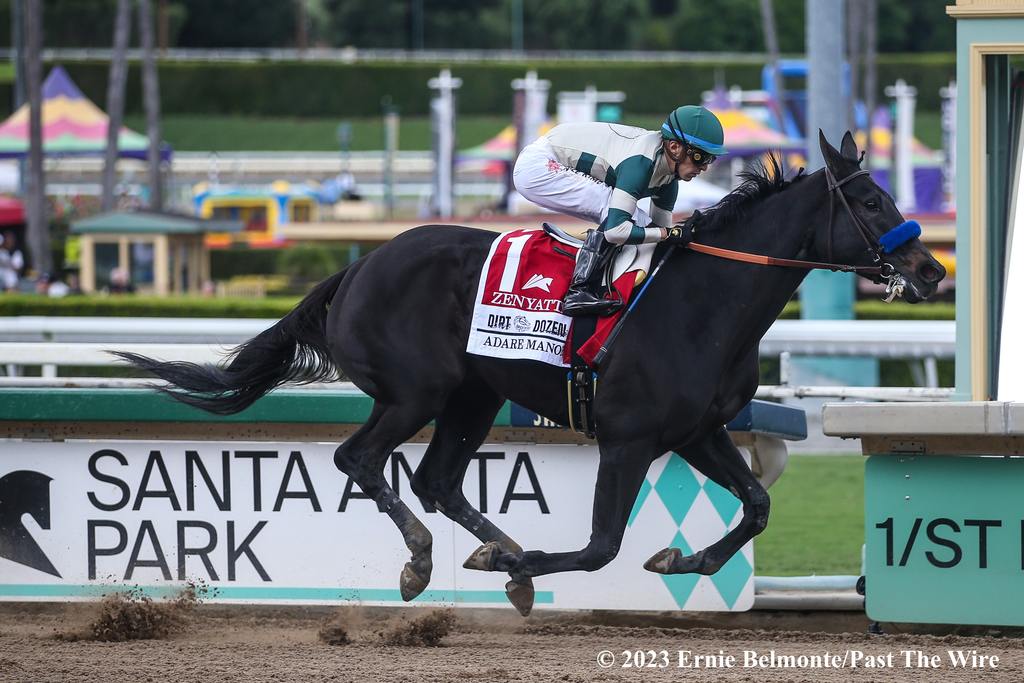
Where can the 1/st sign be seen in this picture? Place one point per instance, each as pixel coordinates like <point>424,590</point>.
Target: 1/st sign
<point>932,557</point>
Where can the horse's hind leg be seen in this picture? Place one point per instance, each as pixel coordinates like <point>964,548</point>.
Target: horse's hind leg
<point>619,477</point>
<point>719,459</point>
<point>459,430</point>
<point>362,457</point>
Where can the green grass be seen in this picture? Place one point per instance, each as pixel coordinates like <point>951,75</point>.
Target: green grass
<point>928,128</point>
<point>816,524</point>
<point>201,133</point>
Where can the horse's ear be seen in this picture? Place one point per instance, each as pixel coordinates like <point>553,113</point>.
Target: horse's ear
<point>829,153</point>
<point>849,147</point>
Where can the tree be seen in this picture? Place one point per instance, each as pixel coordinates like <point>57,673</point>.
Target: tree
<point>115,99</point>
<point>38,228</point>
<point>369,23</point>
<point>238,23</point>
<point>151,98</point>
<point>584,25</point>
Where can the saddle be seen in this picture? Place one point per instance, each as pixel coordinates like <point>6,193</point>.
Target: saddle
<point>581,380</point>
<point>627,258</point>
<point>517,311</point>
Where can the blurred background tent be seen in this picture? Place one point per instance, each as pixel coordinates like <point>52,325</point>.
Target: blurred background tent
<point>72,125</point>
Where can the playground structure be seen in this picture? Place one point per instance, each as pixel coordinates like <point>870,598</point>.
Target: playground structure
<point>263,212</point>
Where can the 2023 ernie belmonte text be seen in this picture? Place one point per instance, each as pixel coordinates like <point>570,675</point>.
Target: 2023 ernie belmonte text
<point>755,659</point>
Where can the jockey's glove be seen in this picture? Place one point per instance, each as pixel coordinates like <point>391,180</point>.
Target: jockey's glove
<point>682,233</point>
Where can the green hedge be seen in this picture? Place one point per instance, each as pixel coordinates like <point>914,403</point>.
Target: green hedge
<point>305,89</point>
<point>128,306</point>
<point>303,261</point>
<point>227,263</point>
<point>276,307</point>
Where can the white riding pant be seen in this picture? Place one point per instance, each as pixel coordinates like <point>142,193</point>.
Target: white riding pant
<point>543,180</point>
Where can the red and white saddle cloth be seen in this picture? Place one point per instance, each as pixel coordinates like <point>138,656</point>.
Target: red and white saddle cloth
<point>517,313</point>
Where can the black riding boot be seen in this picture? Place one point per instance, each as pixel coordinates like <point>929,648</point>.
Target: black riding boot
<point>585,296</point>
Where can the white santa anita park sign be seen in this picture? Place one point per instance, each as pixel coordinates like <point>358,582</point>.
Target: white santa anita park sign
<point>277,523</point>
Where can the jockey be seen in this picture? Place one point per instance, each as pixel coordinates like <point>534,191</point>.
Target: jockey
<point>598,171</point>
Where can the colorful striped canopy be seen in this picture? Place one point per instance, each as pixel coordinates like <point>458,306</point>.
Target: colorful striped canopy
<point>72,125</point>
<point>746,136</point>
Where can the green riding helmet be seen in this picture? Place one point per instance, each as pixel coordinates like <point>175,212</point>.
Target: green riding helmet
<point>697,127</point>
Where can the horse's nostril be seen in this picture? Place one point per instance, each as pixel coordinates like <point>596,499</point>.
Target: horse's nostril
<point>931,272</point>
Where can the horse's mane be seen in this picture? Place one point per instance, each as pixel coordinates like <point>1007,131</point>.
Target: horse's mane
<point>761,180</point>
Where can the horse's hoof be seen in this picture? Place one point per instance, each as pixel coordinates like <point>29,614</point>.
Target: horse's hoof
<point>520,594</point>
<point>411,583</point>
<point>483,558</point>
<point>663,561</point>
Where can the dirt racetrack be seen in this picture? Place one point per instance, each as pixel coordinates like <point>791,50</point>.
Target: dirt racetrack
<point>224,644</point>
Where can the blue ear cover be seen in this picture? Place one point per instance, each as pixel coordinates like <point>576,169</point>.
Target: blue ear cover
<point>900,235</point>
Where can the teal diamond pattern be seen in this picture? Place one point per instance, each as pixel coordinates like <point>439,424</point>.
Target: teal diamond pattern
<point>731,578</point>
<point>681,585</point>
<point>725,503</point>
<point>641,498</point>
<point>678,488</point>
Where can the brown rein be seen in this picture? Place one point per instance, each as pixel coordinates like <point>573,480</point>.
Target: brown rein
<point>834,187</point>
<point>763,260</point>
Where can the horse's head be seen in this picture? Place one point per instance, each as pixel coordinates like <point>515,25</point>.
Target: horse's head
<point>862,212</point>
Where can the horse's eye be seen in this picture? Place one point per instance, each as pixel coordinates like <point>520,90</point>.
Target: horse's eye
<point>871,205</point>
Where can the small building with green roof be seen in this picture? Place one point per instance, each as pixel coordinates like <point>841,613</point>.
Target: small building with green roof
<point>160,252</point>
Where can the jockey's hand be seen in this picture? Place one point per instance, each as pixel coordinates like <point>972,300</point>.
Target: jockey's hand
<point>682,233</point>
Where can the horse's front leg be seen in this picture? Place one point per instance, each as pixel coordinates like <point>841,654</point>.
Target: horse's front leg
<point>719,459</point>
<point>619,476</point>
<point>459,430</point>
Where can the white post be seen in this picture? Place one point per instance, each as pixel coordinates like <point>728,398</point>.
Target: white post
<point>443,110</point>
<point>948,95</point>
<point>903,167</point>
<point>581,106</point>
<point>736,96</point>
<point>535,105</point>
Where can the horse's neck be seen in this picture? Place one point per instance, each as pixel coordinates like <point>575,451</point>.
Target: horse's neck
<point>779,226</point>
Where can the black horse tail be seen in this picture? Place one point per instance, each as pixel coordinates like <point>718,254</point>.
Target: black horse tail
<point>293,351</point>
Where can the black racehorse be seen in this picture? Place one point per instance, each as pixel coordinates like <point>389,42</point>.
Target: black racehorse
<point>396,323</point>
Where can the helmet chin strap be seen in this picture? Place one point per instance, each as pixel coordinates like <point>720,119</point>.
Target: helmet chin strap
<point>676,160</point>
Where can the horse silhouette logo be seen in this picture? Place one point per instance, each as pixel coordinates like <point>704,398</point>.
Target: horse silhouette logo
<point>24,492</point>
<point>540,282</point>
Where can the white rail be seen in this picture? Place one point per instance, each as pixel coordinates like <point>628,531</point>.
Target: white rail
<point>14,356</point>
<point>856,393</point>
<point>876,338</point>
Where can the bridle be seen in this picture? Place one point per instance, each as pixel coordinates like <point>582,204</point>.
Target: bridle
<point>834,189</point>
<point>895,282</point>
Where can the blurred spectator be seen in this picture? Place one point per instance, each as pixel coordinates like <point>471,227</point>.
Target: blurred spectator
<point>11,262</point>
<point>42,283</point>
<point>74,284</point>
<point>119,282</point>
<point>58,288</point>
